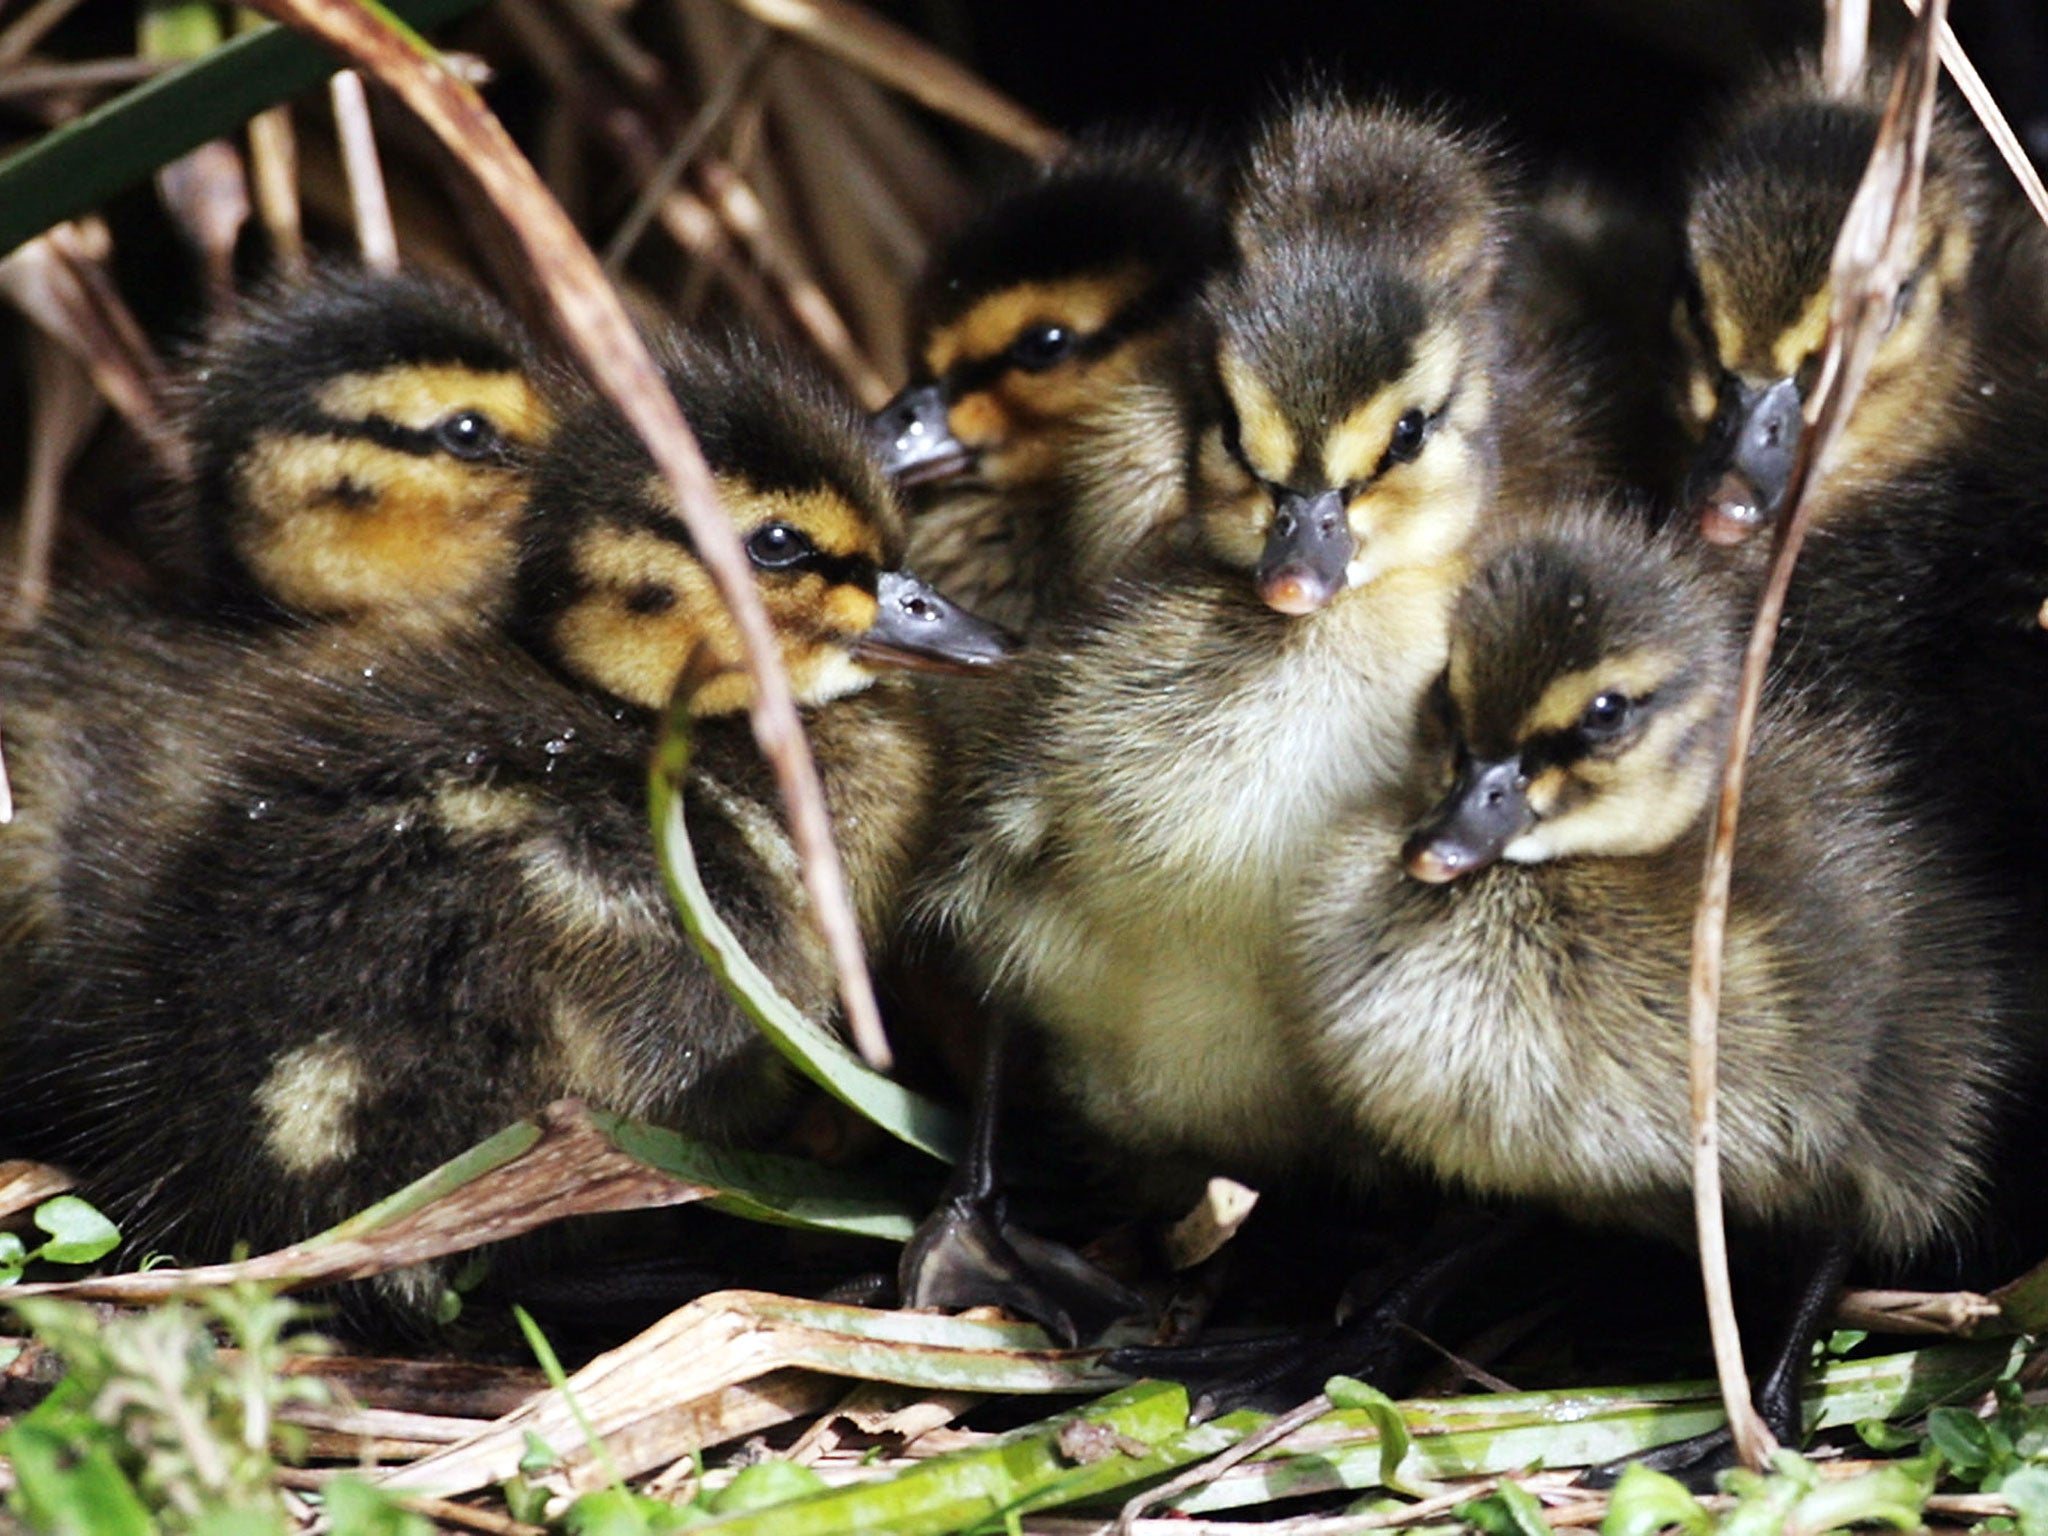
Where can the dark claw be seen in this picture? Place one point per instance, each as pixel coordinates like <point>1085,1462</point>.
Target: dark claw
<point>967,1254</point>
<point>1271,1374</point>
<point>1697,1462</point>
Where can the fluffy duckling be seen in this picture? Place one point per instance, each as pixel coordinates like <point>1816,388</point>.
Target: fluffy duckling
<point>1377,386</point>
<point>1765,208</point>
<point>1054,374</point>
<point>418,897</point>
<point>361,445</point>
<point>1151,779</point>
<point>1498,998</point>
<point>1923,582</point>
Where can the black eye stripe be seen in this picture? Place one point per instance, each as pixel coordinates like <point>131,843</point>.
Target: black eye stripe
<point>418,442</point>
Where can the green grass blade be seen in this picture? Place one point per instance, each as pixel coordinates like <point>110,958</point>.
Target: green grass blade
<point>1469,1437</point>
<point>975,1489</point>
<point>823,1058</point>
<point>79,166</point>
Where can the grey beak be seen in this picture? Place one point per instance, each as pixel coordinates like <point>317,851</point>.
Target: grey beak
<point>917,626</point>
<point>1738,483</point>
<point>910,437</point>
<point>1487,809</point>
<point>1307,550</point>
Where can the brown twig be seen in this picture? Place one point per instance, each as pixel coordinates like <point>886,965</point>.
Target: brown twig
<point>274,174</point>
<point>1872,257</point>
<point>64,412</point>
<point>905,62</point>
<point>1845,46</point>
<point>1978,95</point>
<point>598,331</point>
<point>692,142</point>
<point>1206,1472</point>
<point>376,236</point>
<point>93,75</point>
<point>31,27</point>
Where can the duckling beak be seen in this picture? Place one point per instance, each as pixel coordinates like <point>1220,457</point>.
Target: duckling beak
<point>1487,809</point>
<point>915,626</point>
<point>1739,482</point>
<point>910,437</point>
<point>1307,550</point>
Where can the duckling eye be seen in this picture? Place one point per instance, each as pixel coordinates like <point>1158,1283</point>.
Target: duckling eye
<point>1041,347</point>
<point>1607,716</point>
<point>777,546</point>
<point>1409,433</point>
<point>468,435</point>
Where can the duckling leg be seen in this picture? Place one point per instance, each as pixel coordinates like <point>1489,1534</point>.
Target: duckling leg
<point>1374,1345</point>
<point>968,1253</point>
<point>1696,1462</point>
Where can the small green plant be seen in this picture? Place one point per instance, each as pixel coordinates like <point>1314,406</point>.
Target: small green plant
<point>155,1428</point>
<point>75,1232</point>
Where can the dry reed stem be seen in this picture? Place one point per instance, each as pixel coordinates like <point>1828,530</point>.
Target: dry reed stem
<point>885,52</point>
<point>274,178</point>
<point>376,235</point>
<point>1978,95</point>
<point>599,333</point>
<point>61,417</point>
<point>1845,46</point>
<point>206,193</point>
<point>31,27</point>
<point>694,139</point>
<point>1872,256</point>
<point>1206,1472</point>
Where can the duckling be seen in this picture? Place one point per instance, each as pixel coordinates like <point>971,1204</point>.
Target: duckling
<point>1498,997</point>
<point>1152,777</point>
<point>1921,585</point>
<point>1055,370</point>
<point>418,898</point>
<point>361,444</point>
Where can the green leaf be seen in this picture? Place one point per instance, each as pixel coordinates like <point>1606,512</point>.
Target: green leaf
<point>12,1257</point>
<point>1510,1510</point>
<point>355,1508</point>
<point>620,1512</point>
<point>65,1487</point>
<point>1646,1501</point>
<point>1348,1392</point>
<point>1885,1437</point>
<point>1963,1440</point>
<point>79,1234</point>
<point>818,1054</point>
<point>763,1484</point>
<point>539,1456</point>
<point>112,147</point>
<point>762,1186</point>
<point>2027,1491</point>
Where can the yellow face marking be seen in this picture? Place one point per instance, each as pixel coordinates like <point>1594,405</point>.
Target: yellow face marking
<point>636,648</point>
<point>1723,312</point>
<point>1082,304</point>
<point>1636,675</point>
<point>418,396</point>
<point>307,1101</point>
<point>1356,445</point>
<point>339,527</point>
<point>1263,433</point>
<point>1638,802</point>
<point>1790,348</point>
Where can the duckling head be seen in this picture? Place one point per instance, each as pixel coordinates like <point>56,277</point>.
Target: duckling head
<point>611,591</point>
<point>1765,209</point>
<point>1587,694</point>
<point>361,447</point>
<point>1355,350</point>
<point>1038,313</point>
